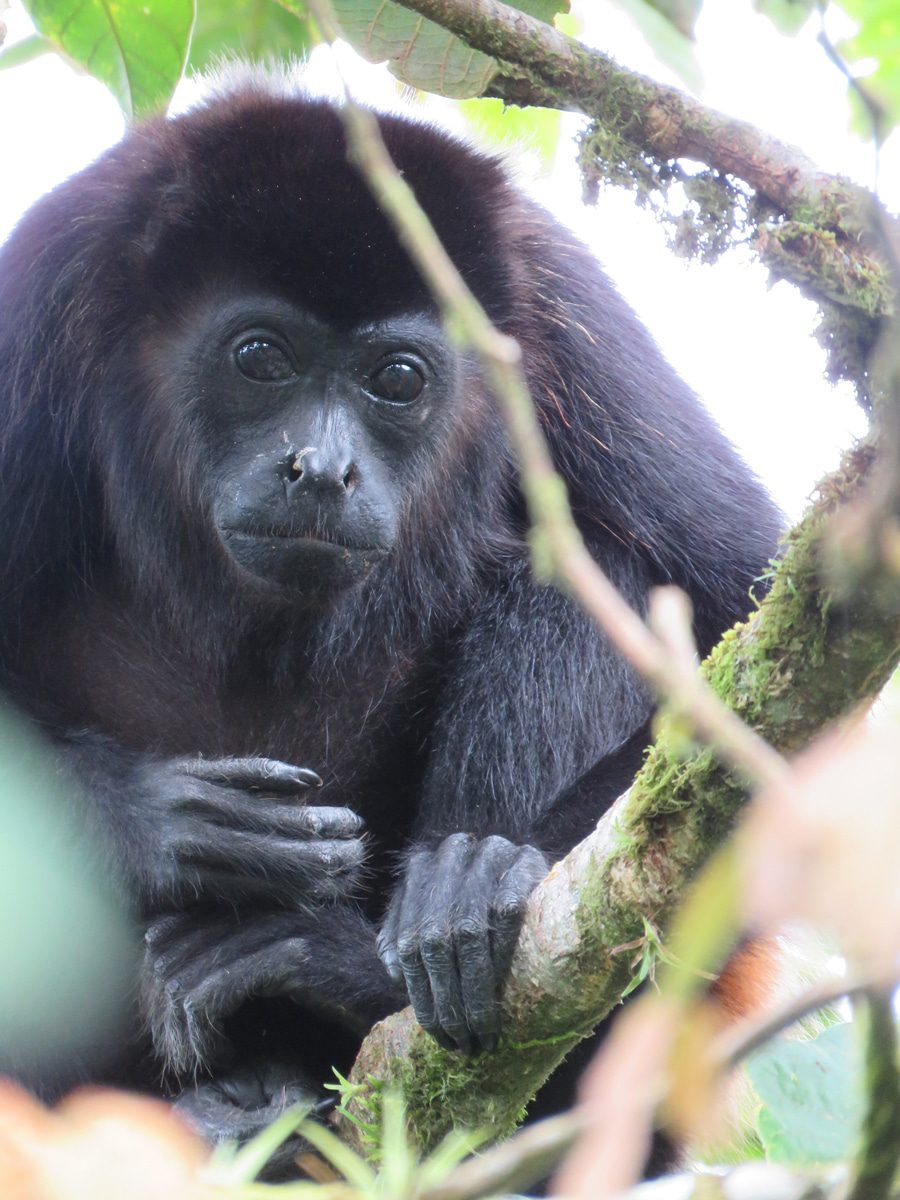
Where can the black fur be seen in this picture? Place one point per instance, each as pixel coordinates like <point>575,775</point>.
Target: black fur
<point>444,692</point>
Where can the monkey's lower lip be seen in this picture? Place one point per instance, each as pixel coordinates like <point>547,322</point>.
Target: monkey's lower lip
<point>298,538</point>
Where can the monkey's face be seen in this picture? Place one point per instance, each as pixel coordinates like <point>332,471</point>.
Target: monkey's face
<point>309,437</point>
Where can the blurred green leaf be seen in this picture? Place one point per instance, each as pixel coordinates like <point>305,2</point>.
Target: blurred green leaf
<point>671,47</point>
<point>64,939</point>
<point>258,30</point>
<point>421,53</point>
<point>788,16</point>
<point>812,1096</point>
<point>530,129</point>
<point>682,14</point>
<point>877,45</point>
<point>138,48</point>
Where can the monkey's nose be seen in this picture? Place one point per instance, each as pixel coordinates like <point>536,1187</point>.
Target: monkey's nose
<point>320,469</point>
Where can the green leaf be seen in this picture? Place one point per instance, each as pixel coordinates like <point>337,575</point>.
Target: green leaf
<point>682,14</point>
<point>24,51</point>
<point>533,129</point>
<point>788,16</point>
<point>138,48</point>
<point>812,1098</point>
<point>418,51</point>
<point>670,46</point>
<point>245,1162</point>
<point>351,1165</point>
<point>66,941</point>
<point>258,30</point>
<point>544,10</point>
<point>878,42</point>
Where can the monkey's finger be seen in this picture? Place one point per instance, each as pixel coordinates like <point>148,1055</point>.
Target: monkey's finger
<point>478,984</point>
<point>439,900</point>
<point>386,941</point>
<point>189,947</point>
<point>479,978</point>
<point>265,774</point>
<point>307,869</point>
<point>261,972</point>
<point>406,921</point>
<point>264,814</point>
<point>418,987</point>
<point>446,991</point>
<point>508,908</point>
<point>404,911</point>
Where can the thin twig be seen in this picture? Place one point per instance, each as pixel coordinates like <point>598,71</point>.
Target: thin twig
<point>514,1164</point>
<point>740,1041</point>
<point>879,1154</point>
<point>558,539</point>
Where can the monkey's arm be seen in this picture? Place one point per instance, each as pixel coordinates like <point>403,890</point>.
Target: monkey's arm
<point>542,726</point>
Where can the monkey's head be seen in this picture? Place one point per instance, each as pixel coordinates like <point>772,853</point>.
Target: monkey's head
<point>288,329</point>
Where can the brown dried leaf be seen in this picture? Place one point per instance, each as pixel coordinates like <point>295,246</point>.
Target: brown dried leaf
<point>96,1145</point>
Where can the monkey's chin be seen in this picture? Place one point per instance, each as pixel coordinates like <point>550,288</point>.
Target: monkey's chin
<point>302,565</point>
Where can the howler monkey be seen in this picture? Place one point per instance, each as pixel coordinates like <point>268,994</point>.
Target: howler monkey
<point>261,531</point>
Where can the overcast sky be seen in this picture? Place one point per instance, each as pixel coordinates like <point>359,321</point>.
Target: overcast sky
<point>747,349</point>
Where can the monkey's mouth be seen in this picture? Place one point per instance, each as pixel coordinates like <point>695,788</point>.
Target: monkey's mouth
<point>313,538</point>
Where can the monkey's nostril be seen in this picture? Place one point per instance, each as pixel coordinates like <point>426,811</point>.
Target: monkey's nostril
<point>295,470</point>
<point>351,478</point>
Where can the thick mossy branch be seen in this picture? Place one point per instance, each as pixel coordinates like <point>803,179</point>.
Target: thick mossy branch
<point>807,226</point>
<point>797,664</point>
<point>647,118</point>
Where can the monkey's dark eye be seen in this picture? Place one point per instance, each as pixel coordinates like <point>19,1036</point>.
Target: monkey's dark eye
<point>262,360</point>
<point>399,382</point>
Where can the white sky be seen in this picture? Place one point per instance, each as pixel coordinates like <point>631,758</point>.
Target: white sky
<point>747,349</point>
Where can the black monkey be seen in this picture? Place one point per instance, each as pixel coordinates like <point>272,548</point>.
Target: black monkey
<point>261,530</point>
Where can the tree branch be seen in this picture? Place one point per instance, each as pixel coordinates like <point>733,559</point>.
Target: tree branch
<point>667,122</point>
<point>807,226</point>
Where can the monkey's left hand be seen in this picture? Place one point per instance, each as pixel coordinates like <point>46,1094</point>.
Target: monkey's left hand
<point>451,929</point>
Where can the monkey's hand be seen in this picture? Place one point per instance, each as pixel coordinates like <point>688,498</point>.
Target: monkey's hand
<point>200,967</point>
<point>451,929</point>
<point>238,829</point>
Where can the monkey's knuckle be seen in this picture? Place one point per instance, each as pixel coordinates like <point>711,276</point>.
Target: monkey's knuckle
<point>508,908</point>
<point>172,993</point>
<point>408,949</point>
<point>160,931</point>
<point>455,1027</point>
<point>436,944</point>
<point>311,822</point>
<point>482,1018</point>
<point>458,841</point>
<point>469,931</point>
<point>532,862</point>
<point>494,845</point>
